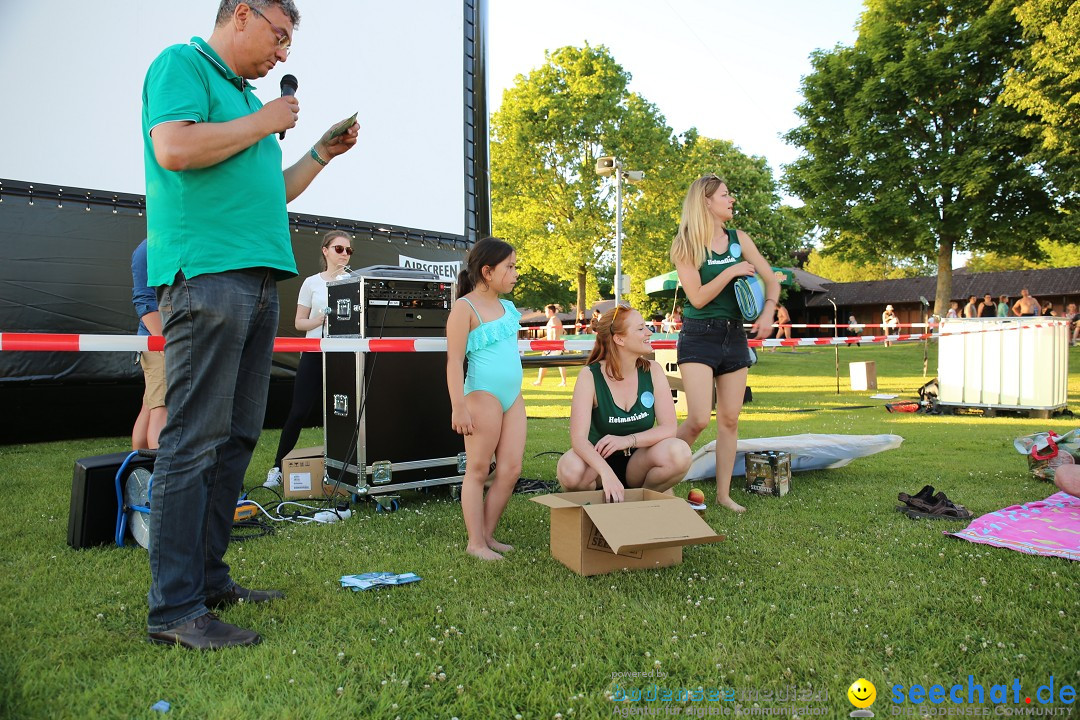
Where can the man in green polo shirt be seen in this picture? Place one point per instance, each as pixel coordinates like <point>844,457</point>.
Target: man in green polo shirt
<point>218,242</point>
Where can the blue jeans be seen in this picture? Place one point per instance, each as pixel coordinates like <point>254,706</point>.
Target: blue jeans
<point>219,338</point>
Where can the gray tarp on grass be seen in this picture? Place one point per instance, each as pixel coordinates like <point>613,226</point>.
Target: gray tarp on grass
<point>808,452</point>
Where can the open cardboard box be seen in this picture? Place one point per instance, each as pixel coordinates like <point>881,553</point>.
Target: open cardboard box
<point>647,530</point>
<point>302,475</point>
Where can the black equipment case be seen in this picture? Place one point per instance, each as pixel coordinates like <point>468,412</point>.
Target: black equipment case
<point>387,415</point>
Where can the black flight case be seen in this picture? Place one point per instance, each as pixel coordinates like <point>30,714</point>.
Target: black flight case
<point>387,414</point>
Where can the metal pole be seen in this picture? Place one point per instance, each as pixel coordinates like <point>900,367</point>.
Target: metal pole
<point>836,348</point>
<point>618,232</point>
<point>926,330</point>
<point>925,342</point>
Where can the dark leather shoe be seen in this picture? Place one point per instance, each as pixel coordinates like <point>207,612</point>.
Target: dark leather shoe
<point>237,594</point>
<point>206,632</point>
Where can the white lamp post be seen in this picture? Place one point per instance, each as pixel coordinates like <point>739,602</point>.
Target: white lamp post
<point>607,166</point>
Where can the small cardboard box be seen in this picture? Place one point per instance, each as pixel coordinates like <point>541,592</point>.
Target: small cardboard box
<point>302,475</point>
<point>768,473</point>
<point>648,529</point>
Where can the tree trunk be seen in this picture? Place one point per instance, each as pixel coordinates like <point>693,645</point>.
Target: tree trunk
<point>581,276</point>
<point>943,293</point>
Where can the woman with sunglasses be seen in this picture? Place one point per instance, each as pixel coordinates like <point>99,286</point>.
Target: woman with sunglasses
<point>311,310</point>
<point>712,351</point>
<point>622,417</point>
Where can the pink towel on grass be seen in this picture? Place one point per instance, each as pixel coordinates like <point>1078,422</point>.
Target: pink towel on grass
<point>1046,527</point>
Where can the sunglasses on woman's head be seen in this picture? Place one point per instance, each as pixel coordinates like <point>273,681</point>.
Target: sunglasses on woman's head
<point>615,315</point>
<point>341,249</point>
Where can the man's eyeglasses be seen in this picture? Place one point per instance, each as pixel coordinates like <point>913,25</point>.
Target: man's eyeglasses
<point>341,249</point>
<point>284,42</point>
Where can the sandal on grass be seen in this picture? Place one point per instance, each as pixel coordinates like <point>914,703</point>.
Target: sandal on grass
<point>926,495</point>
<point>963,511</point>
<point>938,508</point>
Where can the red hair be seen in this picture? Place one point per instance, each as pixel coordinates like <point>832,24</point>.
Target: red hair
<point>610,324</point>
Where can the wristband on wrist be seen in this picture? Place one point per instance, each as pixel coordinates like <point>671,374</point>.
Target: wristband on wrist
<point>317,157</point>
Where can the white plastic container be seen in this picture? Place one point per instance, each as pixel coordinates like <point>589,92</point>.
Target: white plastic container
<point>1008,363</point>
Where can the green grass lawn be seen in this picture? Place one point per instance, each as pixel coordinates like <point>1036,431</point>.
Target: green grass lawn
<point>813,590</point>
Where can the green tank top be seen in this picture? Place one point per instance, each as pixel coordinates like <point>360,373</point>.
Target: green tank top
<point>724,305</point>
<point>610,419</point>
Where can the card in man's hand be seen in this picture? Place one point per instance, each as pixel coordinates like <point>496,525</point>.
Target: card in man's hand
<point>342,126</point>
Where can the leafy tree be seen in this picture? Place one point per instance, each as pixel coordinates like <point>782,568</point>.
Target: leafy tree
<point>1051,255</point>
<point>536,288</point>
<point>1045,86</point>
<point>552,126</point>
<point>837,269</point>
<point>907,152</point>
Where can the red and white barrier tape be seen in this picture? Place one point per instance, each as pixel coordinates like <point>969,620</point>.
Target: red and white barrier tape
<point>49,342</point>
<point>54,342</point>
<point>822,326</point>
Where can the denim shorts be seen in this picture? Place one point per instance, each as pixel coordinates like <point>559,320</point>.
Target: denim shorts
<point>718,343</point>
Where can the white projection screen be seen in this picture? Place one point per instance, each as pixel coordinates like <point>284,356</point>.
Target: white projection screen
<point>74,71</point>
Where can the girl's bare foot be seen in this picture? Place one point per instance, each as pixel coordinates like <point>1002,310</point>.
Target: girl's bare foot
<point>498,546</point>
<point>730,504</point>
<point>484,553</point>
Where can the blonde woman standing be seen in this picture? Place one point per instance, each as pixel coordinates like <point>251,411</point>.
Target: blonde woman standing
<point>712,351</point>
<point>311,310</point>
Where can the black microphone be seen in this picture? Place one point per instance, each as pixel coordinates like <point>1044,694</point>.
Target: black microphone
<point>288,89</point>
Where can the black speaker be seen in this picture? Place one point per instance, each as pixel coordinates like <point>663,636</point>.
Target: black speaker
<point>92,518</point>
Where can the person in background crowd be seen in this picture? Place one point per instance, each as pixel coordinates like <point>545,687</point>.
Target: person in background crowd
<point>311,309</point>
<point>1047,309</point>
<point>152,415</point>
<point>954,310</point>
<point>854,329</point>
<point>676,317</point>
<point>971,310</point>
<point>1003,306</point>
<point>783,322</point>
<point>595,319</point>
<point>1026,306</point>
<point>987,308</point>
<point>552,331</point>
<point>890,324</point>
<point>1074,322</point>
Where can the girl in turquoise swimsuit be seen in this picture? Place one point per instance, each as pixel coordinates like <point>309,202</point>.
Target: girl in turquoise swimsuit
<point>487,407</point>
<point>622,417</point>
